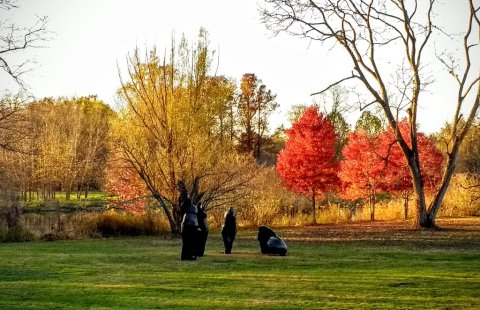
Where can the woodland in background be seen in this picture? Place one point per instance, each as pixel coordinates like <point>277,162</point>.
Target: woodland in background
<point>40,168</point>
<point>53,145</point>
<point>177,121</point>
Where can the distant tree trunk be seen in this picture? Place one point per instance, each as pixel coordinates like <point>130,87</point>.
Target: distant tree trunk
<point>13,216</point>
<point>372,202</point>
<point>405,204</point>
<point>258,136</point>
<point>314,207</point>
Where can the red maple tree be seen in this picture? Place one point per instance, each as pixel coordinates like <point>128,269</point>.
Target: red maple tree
<point>307,163</point>
<point>362,169</point>
<point>131,192</point>
<point>397,174</point>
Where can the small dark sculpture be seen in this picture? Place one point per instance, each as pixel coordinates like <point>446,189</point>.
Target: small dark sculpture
<point>229,230</point>
<point>270,243</point>
<point>202,233</point>
<point>189,230</point>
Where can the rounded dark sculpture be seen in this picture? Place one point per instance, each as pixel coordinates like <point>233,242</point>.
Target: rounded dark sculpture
<point>270,243</point>
<point>189,230</point>
<point>202,233</point>
<point>229,230</point>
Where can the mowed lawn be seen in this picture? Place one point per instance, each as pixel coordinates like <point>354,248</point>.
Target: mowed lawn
<point>359,266</point>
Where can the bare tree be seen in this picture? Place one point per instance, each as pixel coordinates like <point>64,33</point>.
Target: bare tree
<point>15,39</point>
<point>13,125</point>
<point>371,31</point>
<point>11,120</point>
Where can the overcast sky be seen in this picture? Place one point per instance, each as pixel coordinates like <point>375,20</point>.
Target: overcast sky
<point>92,36</point>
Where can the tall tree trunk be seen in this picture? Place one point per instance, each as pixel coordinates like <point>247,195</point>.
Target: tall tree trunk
<point>174,228</point>
<point>257,147</point>
<point>405,205</point>
<point>372,202</point>
<point>437,201</point>
<point>258,138</point>
<point>418,188</point>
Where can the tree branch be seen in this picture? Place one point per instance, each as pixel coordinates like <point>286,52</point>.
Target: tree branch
<point>353,76</point>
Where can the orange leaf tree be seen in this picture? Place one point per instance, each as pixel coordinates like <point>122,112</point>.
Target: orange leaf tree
<point>307,164</point>
<point>362,169</point>
<point>129,188</point>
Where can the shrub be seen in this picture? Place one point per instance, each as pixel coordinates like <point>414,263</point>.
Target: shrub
<point>112,224</point>
<point>15,234</point>
<point>462,198</point>
<point>78,225</point>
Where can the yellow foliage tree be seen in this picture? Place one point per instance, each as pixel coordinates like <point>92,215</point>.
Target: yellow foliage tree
<point>171,128</point>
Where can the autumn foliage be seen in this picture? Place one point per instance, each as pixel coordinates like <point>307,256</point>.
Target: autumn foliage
<point>376,163</point>
<point>307,163</point>
<point>362,170</point>
<point>130,190</point>
<point>398,177</point>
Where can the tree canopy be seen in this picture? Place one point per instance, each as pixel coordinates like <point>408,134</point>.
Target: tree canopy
<point>307,164</point>
<point>171,128</point>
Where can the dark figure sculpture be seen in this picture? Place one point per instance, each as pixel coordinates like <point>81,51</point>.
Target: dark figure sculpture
<point>229,230</point>
<point>202,233</point>
<point>189,230</point>
<point>270,243</point>
<point>182,198</point>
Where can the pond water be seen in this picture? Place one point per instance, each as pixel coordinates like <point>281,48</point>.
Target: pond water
<point>41,225</point>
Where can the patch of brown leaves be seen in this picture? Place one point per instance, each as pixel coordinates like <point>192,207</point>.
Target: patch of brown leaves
<point>460,233</point>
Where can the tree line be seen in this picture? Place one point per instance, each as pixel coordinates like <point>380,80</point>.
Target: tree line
<point>53,145</point>
<point>180,127</point>
<point>81,144</point>
<point>370,162</point>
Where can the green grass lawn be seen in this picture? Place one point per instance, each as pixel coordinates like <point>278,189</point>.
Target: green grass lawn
<point>370,266</point>
<point>95,199</point>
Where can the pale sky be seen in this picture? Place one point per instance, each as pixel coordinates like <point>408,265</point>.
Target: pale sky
<point>91,36</point>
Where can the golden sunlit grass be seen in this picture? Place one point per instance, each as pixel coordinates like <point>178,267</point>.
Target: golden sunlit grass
<point>359,266</point>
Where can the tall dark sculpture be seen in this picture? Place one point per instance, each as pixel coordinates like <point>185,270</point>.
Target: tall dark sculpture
<point>202,233</point>
<point>189,230</point>
<point>270,243</point>
<point>182,198</point>
<point>229,230</point>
